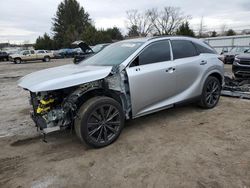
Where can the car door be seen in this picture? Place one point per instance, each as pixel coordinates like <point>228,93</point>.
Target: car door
<point>190,68</point>
<point>33,55</point>
<point>152,79</point>
<point>40,54</point>
<point>26,55</point>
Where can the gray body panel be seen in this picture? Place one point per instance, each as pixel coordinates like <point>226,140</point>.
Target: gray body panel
<point>150,86</point>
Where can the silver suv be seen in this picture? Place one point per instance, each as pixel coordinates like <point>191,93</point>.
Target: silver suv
<point>126,80</point>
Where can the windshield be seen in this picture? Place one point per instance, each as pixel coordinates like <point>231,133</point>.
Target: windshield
<point>113,54</point>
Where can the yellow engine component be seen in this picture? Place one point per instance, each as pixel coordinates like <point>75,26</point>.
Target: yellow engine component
<point>46,102</point>
<point>41,110</point>
<point>44,106</point>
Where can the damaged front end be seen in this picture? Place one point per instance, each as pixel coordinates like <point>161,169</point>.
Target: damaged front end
<point>57,110</point>
<point>48,112</point>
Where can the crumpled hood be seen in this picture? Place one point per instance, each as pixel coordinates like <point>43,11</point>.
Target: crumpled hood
<point>63,77</point>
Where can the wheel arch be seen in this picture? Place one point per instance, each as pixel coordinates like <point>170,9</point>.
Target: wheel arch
<point>214,73</point>
<point>218,76</point>
<point>100,92</point>
<point>18,58</point>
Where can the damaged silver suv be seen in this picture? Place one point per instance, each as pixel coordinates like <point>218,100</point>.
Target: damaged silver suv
<point>126,80</point>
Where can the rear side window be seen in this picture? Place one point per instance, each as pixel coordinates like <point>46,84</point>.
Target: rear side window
<point>156,52</point>
<point>183,49</point>
<point>40,52</point>
<point>202,49</point>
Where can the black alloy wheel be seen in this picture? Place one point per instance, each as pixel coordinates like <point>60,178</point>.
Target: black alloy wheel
<point>211,93</point>
<point>103,124</point>
<point>100,121</point>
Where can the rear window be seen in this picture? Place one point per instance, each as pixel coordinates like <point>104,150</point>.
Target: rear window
<point>183,49</point>
<point>202,49</point>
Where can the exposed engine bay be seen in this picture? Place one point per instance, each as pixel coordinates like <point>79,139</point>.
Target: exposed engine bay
<point>57,110</point>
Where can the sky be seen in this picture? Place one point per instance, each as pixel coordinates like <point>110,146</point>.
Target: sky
<point>24,20</point>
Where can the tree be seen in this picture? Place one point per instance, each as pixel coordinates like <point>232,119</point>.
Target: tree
<point>140,20</point>
<point>167,21</point>
<point>69,23</point>
<point>44,42</point>
<point>185,30</point>
<point>114,33</point>
<point>92,36</point>
<point>133,31</point>
<point>230,32</point>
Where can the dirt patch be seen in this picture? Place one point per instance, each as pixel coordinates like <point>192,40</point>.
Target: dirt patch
<point>10,168</point>
<point>25,111</point>
<point>25,141</point>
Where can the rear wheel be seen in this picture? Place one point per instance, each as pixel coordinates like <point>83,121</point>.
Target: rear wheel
<point>100,121</point>
<point>17,61</point>
<point>211,93</point>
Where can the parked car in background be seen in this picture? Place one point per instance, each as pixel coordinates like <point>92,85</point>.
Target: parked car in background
<point>229,56</point>
<point>4,56</point>
<point>125,80</point>
<point>241,65</point>
<point>66,53</point>
<point>87,51</point>
<point>31,55</point>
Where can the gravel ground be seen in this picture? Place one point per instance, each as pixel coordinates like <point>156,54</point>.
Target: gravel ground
<point>180,147</point>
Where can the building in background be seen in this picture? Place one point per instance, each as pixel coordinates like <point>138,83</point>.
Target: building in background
<point>226,43</point>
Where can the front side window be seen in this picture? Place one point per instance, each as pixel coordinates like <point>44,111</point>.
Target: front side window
<point>40,52</point>
<point>154,53</point>
<point>183,49</point>
<point>26,52</point>
<point>32,52</point>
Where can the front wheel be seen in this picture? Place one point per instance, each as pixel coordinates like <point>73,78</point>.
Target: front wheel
<point>100,121</point>
<point>211,93</point>
<point>46,59</point>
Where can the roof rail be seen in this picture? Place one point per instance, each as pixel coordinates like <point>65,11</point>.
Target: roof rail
<point>169,36</point>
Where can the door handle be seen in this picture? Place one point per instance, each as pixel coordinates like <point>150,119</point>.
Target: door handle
<point>137,69</point>
<point>203,62</point>
<point>170,70</point>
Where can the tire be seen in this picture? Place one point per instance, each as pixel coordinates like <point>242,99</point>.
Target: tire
<point>210,93</point>
<point>46,59</point>
<point>17,61</point>
<point>99,121</point>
